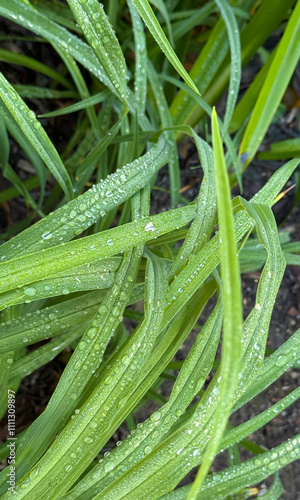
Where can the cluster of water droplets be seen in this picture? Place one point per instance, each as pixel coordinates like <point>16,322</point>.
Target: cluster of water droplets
<point>79,214</point>
<point>264,465</point>
<point>177,290</point>
<point>44,323</point>
<point>102,38</point>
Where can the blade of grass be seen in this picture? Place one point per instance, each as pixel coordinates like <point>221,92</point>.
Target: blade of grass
<point>31,63</point>
<point>74,217</point>
<point>37,136</point>
<point>156,31</point>
<point>166,121</point>
<point>235,49</point>
<point>232,325</point>
<point>280,72</point>
<point>101,37</point>
<point>281,150</point>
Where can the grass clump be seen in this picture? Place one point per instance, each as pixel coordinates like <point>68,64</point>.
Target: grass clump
<point>86,252</point>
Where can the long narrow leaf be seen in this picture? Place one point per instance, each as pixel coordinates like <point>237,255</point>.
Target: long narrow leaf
<point>36,134</point>
<point>156,31</point>
<point>279,75</point>
<point>232,326</point>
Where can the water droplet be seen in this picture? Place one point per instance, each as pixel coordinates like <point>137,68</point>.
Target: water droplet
<point>108,380</point>
<point>281,361</point>
<point>108,466</point>
<point>110,242</point>
<point>92,332</point>
<point>30,291</point>
<point>149,227</point>
<point>26,483</point>
<point>31,115</point>
<point>47,236</point>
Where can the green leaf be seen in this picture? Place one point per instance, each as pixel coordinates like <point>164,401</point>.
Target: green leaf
<point>205,216</point>
<point>218,486</point>
<point>192,375</point>
<point>35,133</point>
<point>166,121</point>
<point>31,63</point>
<point>235,49</point>
<point>26,365</point>
<point>280,72</point>
<point>79,214</point>
<point>79,82</point>
<point>96,275</point>
<point>281,150</point>
<point>101,37</point>
<point>83,104</point>
<point>156,31</point>
<point>51,261</point>
<point>232,324</point>
<point>256,326</point>
<point>140,70</point>
<point>247,102</point>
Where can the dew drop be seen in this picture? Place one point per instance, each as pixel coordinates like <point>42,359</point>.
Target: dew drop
<point>149,227</point>
<point>108,467</point>
<point>281,361</point>
<point>47,236</point>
